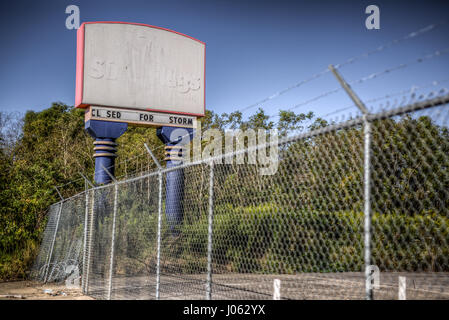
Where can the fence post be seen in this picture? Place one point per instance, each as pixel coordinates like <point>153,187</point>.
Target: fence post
<point>366,180</point>
<point>53,242</point>
<point>209,233</point>
<point>159,226</point>
<point>86,221</point>
<point>277,289</point>
<point>159,223</point>
<point>402,288</point>
<point>89,243</point>
<point>111,261</point>
<point>111,264</point>
<point>367,205</point>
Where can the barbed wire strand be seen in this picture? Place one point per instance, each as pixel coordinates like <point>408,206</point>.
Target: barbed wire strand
<point>371,76</point>
<point>411,35</point>
<point>391,95</point>
<point>352,60</point>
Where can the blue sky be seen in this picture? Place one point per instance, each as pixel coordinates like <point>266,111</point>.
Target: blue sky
<point>254,48</point>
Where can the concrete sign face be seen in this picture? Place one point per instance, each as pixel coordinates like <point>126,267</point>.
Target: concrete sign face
<point>139,67</point>
<point>136,117</point>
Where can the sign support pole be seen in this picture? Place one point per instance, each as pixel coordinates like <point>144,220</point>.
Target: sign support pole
<point>176,140</point>
<point>105,133</point>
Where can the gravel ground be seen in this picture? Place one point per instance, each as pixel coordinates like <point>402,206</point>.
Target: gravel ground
<point>31,290</point>
<point>307,286</point>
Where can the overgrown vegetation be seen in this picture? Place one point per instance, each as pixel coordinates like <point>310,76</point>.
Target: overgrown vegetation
<point>307,217</point>
<point>49,148</point>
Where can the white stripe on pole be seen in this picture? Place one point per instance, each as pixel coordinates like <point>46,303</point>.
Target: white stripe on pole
<point>277,289</point>
<point>402,288</point>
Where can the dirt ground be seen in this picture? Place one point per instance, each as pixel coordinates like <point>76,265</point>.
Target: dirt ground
<point>305,286</point>
<point>31,290</point>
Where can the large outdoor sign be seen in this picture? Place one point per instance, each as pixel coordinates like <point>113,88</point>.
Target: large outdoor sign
<point>139,67</point>
<point>142,118</point>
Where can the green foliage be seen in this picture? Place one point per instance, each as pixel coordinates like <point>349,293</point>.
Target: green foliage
<point>411,164</point>
<point>305,218</point>
<point>271,239</point>
<point>51,150</point>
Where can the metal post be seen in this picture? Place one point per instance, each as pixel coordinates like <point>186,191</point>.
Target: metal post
<point>159,223</point>
<point>209,233</point>
<point>53,242</point>
<point>402,289</point>
<point>366,180</point>
<point>367,205</point>
<point>349,91</point>
<point>159,226</point>
<point>89,243</point>
<point>111,176</point>
<point>59,193</point>
<point>86,221</point>
<point>111,264</point>
<point>277,289</point>
<point>153,156</point>
<point>87,180</point>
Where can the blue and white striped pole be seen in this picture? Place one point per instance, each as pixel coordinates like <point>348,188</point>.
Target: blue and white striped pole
<point>105,134</point>
<point>175,139</point>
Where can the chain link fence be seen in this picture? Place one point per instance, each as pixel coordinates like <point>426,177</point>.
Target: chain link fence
<point>354,206</point>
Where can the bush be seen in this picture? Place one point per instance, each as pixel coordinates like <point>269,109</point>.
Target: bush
<point>269,239</point>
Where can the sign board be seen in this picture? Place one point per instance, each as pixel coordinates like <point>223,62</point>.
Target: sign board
<point>141,67</point>
<point>138,117</point>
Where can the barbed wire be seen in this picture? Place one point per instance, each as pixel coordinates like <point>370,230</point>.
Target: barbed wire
<point>70,182</point>
<point>107,168</point>
<point>429,56</point>
<point>409,90</point>
<point>410,99</point>
<point>369,77</point>
<point>130,161</point>
<point>281,92</point>
<point>352,60</point>
<point>411,35</point>
<point>391,95</point>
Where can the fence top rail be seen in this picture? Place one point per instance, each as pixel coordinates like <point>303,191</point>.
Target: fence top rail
<point>429,103</point>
